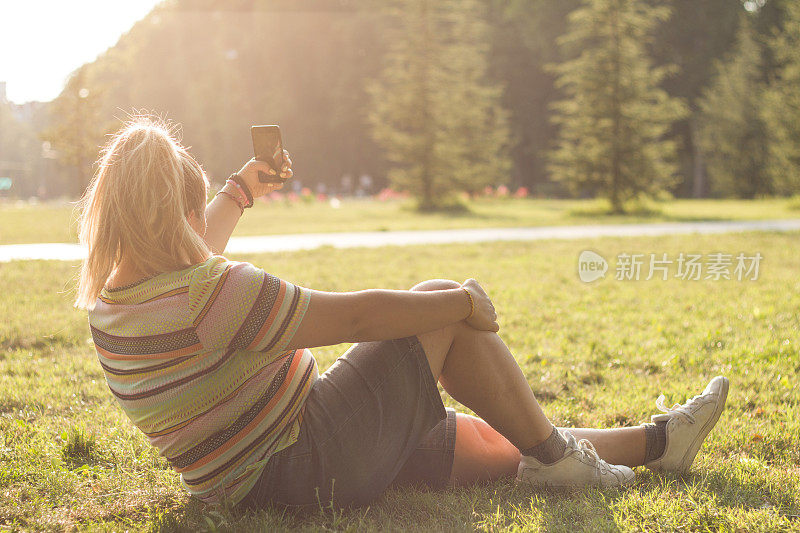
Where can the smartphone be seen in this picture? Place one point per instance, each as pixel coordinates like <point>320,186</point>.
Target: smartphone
<point>268,146</point>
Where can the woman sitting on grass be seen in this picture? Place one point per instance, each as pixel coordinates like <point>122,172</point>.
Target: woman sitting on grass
<point>210,359</point>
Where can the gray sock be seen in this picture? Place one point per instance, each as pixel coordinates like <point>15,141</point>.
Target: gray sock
<point>655,441</point>
<point>550,450</point>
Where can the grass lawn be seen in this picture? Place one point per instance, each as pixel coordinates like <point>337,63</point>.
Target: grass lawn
<point>595,354</point>
<point>56,222</point>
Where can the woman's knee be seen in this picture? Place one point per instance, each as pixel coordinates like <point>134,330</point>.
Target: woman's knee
<point>436,343</point>
<point>435,285</point>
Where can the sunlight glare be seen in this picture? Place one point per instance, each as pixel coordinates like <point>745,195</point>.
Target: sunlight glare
<point>43,41</point>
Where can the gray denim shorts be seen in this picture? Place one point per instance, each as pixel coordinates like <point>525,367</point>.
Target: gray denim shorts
<point>373,419</point>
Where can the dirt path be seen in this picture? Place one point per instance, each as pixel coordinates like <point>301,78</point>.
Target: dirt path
<point>306,241</point>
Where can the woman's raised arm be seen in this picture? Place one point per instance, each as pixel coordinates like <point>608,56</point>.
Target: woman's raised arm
<point>222,214</point>
<point>380,314</point>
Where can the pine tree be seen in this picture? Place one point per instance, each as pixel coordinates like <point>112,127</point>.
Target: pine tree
<point>781,110</point>
<point>524,43</point>
<point>734,136</point>
<point>433,110</point>
<point>696,35</point>
<point>615,119</point>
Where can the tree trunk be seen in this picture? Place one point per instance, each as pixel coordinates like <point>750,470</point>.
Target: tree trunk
<point>699,182</point>
<point>616,159</point>
<point>428,200</point>
<point>616,204</point>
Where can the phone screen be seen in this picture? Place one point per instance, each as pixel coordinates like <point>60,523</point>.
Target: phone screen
<point>267,145</point>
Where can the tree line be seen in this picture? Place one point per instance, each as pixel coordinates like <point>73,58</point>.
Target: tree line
<point>616,98</point>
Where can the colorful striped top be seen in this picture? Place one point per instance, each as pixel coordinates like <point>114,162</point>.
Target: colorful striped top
<point>197,359</point>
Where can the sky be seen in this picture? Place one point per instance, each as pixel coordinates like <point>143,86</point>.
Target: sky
<point>43,41</point>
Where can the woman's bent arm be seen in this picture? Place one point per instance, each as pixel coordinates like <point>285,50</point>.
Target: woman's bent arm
<point>222,214</point>
<point>377,314</point>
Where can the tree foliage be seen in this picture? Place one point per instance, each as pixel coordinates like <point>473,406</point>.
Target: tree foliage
<point>435,112</point>
<point>733,132</point>
<point>76,133</point>
<point>781,105</point>
<point>695,36</point>
<point>615,119</point>
<point>218,67</point>
<point>524,34</point>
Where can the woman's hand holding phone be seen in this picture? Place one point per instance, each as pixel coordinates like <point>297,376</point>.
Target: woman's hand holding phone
<point>249,173</point>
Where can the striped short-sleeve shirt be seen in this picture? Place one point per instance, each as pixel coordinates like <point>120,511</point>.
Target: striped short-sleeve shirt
<point>198,360</point>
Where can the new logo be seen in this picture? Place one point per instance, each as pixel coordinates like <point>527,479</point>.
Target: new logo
<point>591,266</point>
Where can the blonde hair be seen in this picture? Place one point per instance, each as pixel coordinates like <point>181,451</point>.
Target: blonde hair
<point>137,205</point>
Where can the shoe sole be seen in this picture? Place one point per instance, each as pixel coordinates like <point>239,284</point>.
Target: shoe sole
<point>547,485</point>
<point>691,453</point>
<point>583,486</point>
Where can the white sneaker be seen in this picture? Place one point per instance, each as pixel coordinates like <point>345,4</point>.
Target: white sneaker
<point>579,467</point>
<point>688,425</point>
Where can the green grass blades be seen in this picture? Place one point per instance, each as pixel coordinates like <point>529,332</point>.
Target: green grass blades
<point>596,354</point>
<point>53,222</point>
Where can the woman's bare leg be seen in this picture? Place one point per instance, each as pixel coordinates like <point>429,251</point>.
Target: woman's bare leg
<point>477,369</point>
<point>617,446</point>
<point>481,454</point>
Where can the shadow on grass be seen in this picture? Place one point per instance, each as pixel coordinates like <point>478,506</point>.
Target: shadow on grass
<point>482,506</point>
<point>501,505</point>
<point>604,216</point>
<point>735,492</point>
<point>602,209</point>
<point>453,210</point>
<point>649,210</point>
<point>692,218</point>
<point>45,345</point>
<point>794,203</point>
<point>726,489</point>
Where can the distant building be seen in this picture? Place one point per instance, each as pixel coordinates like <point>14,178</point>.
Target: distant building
<point>30,113</point>
<point>3,98</point>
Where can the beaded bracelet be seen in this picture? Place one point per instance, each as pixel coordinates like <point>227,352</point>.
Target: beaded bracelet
<point>237,180</point>
<point>246,202</point>
<point>235,190</point>
<point>471,303</point>
<point>236,200</point>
